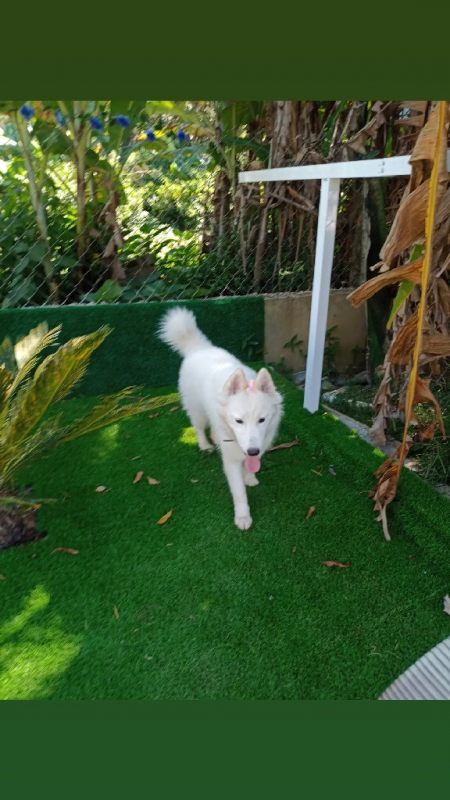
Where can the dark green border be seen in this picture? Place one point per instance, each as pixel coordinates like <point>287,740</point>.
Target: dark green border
<point>303,51</point>
<point>300,749</point>
<point>278,750</point>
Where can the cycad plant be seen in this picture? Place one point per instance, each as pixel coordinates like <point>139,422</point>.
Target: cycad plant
<point>28,389</point>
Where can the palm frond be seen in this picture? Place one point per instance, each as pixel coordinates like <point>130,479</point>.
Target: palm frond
<point>7,357</point>
<point>54,378</point>
<point>27,351</point>
<point>49,434</point>
<point>109,410</point>
<point>5,383</point>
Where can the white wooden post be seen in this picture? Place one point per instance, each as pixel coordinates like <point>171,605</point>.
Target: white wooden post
<point>326,232</point>
<point>330,176</point>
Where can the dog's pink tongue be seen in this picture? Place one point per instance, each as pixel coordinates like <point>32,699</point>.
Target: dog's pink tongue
<point>252,463</point>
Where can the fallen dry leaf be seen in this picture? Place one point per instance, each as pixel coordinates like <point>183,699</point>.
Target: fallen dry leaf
<point>135,458</point>
<point>194,480</point>
<point>284,446</point>
<point>169,544</point>
<point>174,408</point>
<point>164,518</point>
<point>116,612</point>
<point>294,549</point>
<point>447,604</point>
<point>334,564</point>
<point>127,436</point>
<point>66,550</point>
<point>153,416</point>
<point>152,481</point>
<point>138,477</point>
<point>331,471</point>
<point>310,512</point>
<point>101,489</point>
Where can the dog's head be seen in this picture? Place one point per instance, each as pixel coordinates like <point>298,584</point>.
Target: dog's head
<point>252,411</point>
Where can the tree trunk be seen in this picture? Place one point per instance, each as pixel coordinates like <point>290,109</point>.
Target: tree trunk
<point>38,206</point>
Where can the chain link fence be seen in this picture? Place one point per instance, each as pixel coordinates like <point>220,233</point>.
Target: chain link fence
<point>99,206</point>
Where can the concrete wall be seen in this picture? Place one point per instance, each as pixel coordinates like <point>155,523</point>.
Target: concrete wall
<point>289,314</point>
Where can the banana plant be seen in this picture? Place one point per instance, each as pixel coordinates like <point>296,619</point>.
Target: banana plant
<point>29,389</point>
<point>95,136</point>
<point>21,113</point>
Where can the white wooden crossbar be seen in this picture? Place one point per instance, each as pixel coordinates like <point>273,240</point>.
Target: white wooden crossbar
<point>330,176</point>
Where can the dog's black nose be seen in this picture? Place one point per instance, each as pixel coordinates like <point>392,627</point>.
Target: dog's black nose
<point>253,451</point>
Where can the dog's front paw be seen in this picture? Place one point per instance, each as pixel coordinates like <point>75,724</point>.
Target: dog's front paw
<point>207,448</point>
<point>250,479</point>
<point>243,522</point>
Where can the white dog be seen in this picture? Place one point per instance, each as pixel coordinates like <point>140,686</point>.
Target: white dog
<point>241,408</point>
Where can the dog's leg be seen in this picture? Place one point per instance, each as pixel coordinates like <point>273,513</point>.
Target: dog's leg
<point>250,478</point>
<point>199,423</point>
<point>202,439</point>
<point>235,477</point>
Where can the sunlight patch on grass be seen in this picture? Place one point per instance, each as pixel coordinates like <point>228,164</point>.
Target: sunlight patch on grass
<point>33,653</point>
<point>108,440</point>
<point>188,436</point>
<point>37,601</point>
<point>378,453</point>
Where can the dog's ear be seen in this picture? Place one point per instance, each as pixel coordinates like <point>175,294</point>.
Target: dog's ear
<point>264,382</point>
<point>235,383</point>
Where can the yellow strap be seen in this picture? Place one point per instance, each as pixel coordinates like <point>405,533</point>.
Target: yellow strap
<point>429,229</point>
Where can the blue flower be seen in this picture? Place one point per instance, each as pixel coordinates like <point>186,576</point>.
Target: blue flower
<point>60,118</point>
<point>150,135</point>
<point>26,111</point>
<point>124,122</point>
<point>181,136</point>
<point>96,123</point>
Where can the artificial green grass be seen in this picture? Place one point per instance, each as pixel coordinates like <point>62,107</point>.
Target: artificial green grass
<point>205,610</point>
<point>132,355</point>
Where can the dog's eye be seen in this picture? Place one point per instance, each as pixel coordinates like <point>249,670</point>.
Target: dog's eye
<point>263,419</point>
<point>240,421</point>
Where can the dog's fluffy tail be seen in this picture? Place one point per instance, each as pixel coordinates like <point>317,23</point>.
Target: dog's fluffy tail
<point>179,330</point>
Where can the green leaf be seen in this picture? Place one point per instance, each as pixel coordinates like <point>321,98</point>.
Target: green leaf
<point>243,144</point>
<point>37,252</point>
<point>20,266</point>
<point>240,112</point>
<point>109,292</point>
<point>51,139</point>
<point>116,135</point>
<point>404,290</point>
<point>66,261</point>
<point>20,293</point>
<point>173,109</point>
<point>406,287</point>
<point>217,156</point>
<point>10,105</point>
